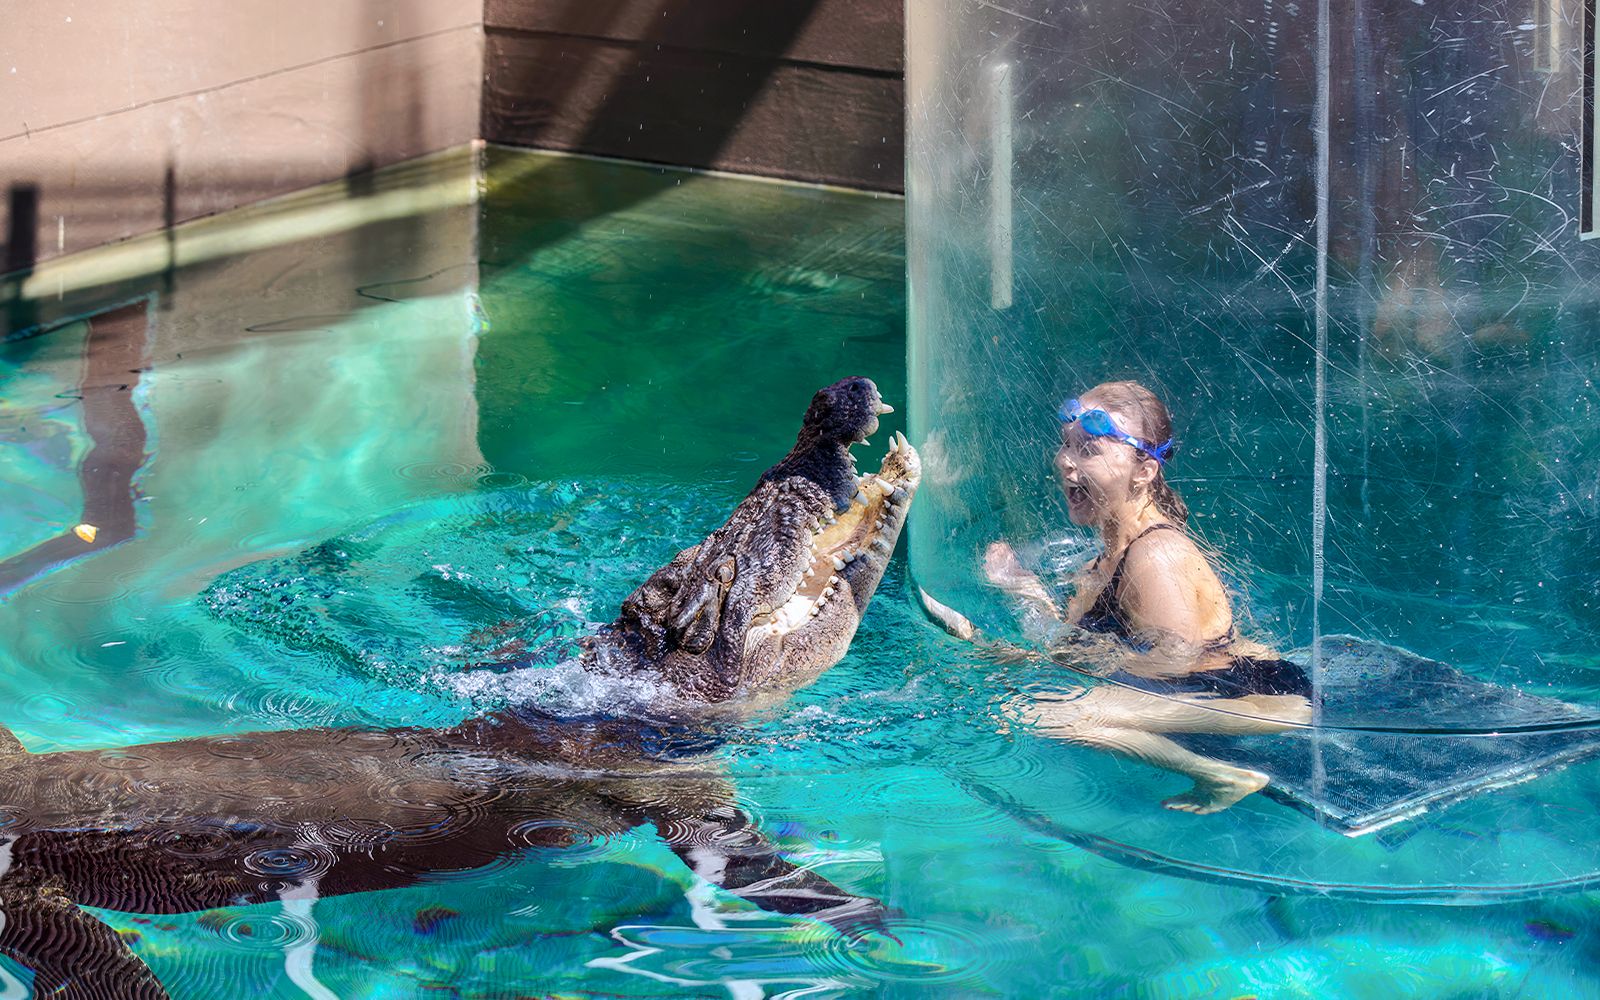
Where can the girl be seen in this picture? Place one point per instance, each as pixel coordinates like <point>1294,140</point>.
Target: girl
<point>1149,611</point>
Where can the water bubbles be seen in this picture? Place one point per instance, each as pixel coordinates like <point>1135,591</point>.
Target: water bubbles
<point>239,748</point>
<point>266,929</point>
<point>123,760</point>
<point>566,687</point>
<point>574,840</point>
<point>926,953</point>
<point>44,707</point>
<point>428,810</point>
<point>505,578</point>
<point>355,834</point>
<point>443,472</point>
<point>501,480</point>
<point>200,842</point>
<point>82,591</point>
<point>298,863</point>
<point>728,948</point>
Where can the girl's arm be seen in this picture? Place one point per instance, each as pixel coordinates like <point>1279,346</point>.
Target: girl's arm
<point>1172,598</point>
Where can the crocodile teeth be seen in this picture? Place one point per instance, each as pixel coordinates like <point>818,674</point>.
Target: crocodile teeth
<point>882,545</point>
<point>792,613</point>
<point>833,580</point>
<point>814,611</point>
<point>838,563</point>
<point>884,486</point>
<point>827,592</point>
<point>848,555</point>
<point>861,498</point>
<point>811,571</point>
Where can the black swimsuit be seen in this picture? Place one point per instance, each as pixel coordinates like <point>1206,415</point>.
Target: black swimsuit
<point>1245,675</point>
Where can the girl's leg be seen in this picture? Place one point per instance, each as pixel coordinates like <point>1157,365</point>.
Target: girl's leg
<point>1131,722</point>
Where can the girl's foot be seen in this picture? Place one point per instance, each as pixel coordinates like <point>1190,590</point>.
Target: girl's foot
<point>1211,795</point>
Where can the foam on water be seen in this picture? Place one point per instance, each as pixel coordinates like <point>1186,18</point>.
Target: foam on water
<point>481,599</point>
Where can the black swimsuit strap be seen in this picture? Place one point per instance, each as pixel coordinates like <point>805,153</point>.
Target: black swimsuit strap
<point>1104,614</point>
<point>1116,574</point>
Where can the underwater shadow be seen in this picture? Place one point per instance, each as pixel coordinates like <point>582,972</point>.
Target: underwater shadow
<point>113,363</point>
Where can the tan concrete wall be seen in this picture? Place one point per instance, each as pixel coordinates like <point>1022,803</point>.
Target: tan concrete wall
<point>117,119</point>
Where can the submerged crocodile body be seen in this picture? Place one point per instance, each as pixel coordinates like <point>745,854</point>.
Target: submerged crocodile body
<point>760,607</point>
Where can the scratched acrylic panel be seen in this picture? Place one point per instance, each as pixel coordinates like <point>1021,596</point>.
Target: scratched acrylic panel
<point>1131,191</point>
<point>1376,331</point>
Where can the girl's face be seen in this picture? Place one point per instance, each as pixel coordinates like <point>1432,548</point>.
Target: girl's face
<point>1101,477</point>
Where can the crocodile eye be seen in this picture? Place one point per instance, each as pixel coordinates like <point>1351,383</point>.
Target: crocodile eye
<point>725,571</point>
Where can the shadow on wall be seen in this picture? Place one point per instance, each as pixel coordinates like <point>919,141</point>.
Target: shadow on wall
<point>123,206</point>
<point>805,89</point>
<point>681,90</point>
<point>381,112</point>
<point>22,252</point>
<point>611,97</point>
<point>377,129</point>
<point>636,100</point>
<point>103,204</point>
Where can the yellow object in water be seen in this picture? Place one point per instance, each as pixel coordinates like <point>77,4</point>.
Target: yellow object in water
<point>86,532</point>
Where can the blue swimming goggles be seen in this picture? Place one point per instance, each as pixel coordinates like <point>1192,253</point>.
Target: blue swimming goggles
<point>1098,423</point>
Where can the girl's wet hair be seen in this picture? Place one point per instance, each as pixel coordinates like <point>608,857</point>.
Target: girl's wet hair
<point>1143,415</point>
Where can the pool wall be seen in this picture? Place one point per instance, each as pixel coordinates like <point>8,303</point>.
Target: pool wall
<point>805,89</point>
<point>112,125</point>
<point>115,124</point>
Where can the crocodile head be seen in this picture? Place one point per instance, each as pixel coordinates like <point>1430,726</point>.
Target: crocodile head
<point>771,599</point>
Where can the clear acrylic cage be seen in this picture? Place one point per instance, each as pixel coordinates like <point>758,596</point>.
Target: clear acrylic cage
<point>1345,244</point>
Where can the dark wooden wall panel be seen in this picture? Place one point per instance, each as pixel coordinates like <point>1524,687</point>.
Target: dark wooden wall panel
<point>863,34</point>
<point>806,90</point>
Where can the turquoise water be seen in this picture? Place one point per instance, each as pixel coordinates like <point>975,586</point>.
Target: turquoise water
<point>515,411</point>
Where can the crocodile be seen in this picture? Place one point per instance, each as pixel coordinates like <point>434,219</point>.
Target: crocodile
<point>760,607</point>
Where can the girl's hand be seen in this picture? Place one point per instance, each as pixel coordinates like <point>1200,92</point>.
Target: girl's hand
<point>1003,569</point>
